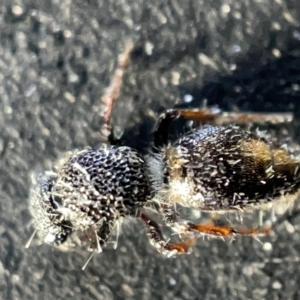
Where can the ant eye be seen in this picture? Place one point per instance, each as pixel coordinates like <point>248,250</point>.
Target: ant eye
<point>66,230</point>
<point>60,238</point>
<point>55,201</point>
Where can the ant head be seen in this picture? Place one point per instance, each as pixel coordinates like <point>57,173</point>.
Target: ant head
<point>45,208</point>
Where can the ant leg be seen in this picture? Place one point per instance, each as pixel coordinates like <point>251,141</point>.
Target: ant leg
<point>186,227</point>
<point>213,116</point>
<point>158,241</point>
<point>112,93</point>
<point>218,117</point>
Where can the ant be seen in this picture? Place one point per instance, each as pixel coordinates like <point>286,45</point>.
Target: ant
<point>221,166</point>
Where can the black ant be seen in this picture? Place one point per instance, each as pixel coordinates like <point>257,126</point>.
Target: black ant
<point>218,167</point>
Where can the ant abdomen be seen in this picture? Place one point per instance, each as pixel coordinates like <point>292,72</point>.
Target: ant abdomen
<point>227,167</point>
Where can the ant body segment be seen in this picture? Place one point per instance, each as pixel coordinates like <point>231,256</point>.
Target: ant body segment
<point>219,167</point>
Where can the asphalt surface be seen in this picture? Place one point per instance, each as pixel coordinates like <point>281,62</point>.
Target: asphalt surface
<point>56,58</point>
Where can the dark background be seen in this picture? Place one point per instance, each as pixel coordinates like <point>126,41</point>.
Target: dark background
<point>56,58</point>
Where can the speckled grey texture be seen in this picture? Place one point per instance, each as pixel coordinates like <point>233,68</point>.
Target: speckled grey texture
<point>56,58</point>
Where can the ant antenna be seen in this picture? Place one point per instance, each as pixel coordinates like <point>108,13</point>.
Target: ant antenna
<point>112,93</point>
<point>30,239</point>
